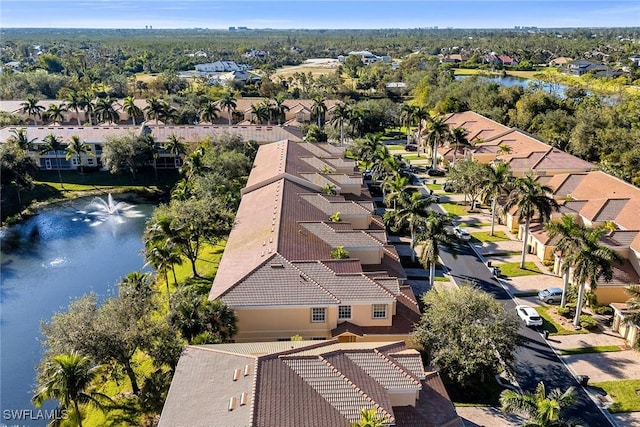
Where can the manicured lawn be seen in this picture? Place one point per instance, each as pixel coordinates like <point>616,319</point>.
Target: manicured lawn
<point>595,349</point>
<point>434,187</point>
<point>441,279</point>
<point>413,157</point>
<point>552,326</point>
<point>623,392</point>
<point>484,236</point>
<point>454,208</point>
<point>512,269</point>
<point>395,147</point>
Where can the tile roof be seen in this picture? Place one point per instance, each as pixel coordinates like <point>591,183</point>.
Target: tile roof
<point>610,210</point>
<point>332,204</point>
<point>623,275</point>
<point>383,370</point>
<point>347,238</point>
<point>478,126</point>
<point>619,238</point>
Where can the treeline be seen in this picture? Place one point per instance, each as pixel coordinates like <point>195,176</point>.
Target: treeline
<point>120,354</point>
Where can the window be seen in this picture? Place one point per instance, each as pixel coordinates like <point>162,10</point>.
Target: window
<point>318,314</point>
<point>90,161</point>
<point>344,312</point>
<point>379,311</point>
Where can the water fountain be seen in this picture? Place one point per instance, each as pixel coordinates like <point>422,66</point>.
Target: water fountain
<point>109,206</point>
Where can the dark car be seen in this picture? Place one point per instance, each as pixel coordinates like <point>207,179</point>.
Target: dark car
<point>435,172</point>
<point>411,147</point>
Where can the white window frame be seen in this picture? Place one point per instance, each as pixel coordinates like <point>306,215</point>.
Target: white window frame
<point>345,307</point>
<point>316,313</point>
<point>376,309</point>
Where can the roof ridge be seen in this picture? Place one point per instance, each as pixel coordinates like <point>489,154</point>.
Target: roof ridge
<point>406,373</point>
<point>308,277</point>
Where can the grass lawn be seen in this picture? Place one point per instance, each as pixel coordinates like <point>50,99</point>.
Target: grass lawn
<point>554,327</point>
<point>596,349</point>
<point>474,224</point>
<point>434,187</point>
<point>623,392</point>
<point>512,269</point>
<point>454,208</point>
<point>413,157</point>
<point>441,279</point>
<point>484,236</point>
<point>395,147</point>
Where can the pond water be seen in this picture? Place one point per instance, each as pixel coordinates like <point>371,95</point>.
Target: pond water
<point>509,81</point>
<point>66,251</point>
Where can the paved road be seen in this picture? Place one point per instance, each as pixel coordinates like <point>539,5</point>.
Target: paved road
<point>535,360</point>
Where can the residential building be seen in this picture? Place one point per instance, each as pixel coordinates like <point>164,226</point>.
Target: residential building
<point>305,383</point>
<point>219,67</point>
<point>366,57</point>
<point>279,271</point>
<point>561,61</point>
<point>582,67</point>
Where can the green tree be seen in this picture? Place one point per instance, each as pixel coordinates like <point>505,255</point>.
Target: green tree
<point>86,103</point>
<point>74,102</point>
<point>467,334</point>
<point>55,113</point>
<point>437,133</point>
<point>469,177</point>
<point>209,111</point>
<point>341,114</point>
<point>126,153</point>
<point>129,106</point>
<point>369,418</point>
<point>318,111</point>
<point>496,183</point>
<point>259,113</point>
<point>32,108</point>
<point>408,115</point>
<point>412,215</point>
<point>458,136</point>
<point>176,146</point>
<point>163,257</point>
<point>76,148</point>
<point>20,139</point>
<point>53,143</point>
<point>432,235</point>
<point>539,409</point>
<point>17,168</point>
<point>154,110</point>
<point>531,200</point>
<point>228,102</point>
<point>105,111</point>
<point>590,262</point>
<point>68,378</point>
<point>396,189</point>
<point>280,108</point>
<point>198,318</point>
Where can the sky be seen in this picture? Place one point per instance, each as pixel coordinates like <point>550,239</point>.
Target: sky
<point>311,14</point>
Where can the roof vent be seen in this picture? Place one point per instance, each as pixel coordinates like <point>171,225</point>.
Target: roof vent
<point>244,398</point>
<point>233,403</point>
<point>274,265</point>
<point>236,374</point>
<point>247,370</point>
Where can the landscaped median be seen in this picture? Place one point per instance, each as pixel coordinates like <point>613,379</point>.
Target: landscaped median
<point>485,236</point>
<point>512,269</point>
<point>554,327</point>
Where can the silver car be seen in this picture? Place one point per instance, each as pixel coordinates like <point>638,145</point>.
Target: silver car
<point>550,295</point>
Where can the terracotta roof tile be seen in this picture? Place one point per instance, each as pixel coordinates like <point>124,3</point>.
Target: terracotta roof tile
<point>620,238</point>
<point>610,210</point>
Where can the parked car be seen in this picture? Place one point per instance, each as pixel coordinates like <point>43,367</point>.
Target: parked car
<point>529,315</point>
<point>435,172</point>
<point>550,295</point>
<point>462,234</point>
<point>367,175</point>
<point>411,147</point>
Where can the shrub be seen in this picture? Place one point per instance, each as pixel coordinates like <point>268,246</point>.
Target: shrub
<point>548,263</point>
<point>588,322</point>
<point>565,312</point>
<point>339,253</point>
<point>604,310</point>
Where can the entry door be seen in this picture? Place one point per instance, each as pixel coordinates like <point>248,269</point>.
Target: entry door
<point>47,164</point>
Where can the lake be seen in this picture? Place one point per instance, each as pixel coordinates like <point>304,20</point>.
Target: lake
<point>66,251</point>
<point>509,81</point>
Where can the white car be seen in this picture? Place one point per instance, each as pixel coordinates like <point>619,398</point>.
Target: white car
<point>529,315</point>
<point>461,234</point>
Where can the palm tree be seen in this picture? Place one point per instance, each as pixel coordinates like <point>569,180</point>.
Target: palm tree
<point>496,184</point>
<point>52,143</point>
<point>193,164</point>
<point>129,106</point>
<point>68,377</point>
<point>634,305</point>
<point>437,132</point>
<point>74,102</point>
<point>168,114</point>
<point>55,113</point>
<point>209,111</point>
<point>369,418</point>
<point>412,215</point>
<point>77,148</point>
<point>341,114</point>
<point>357,121</point>
<point>434,234</point>
<point>408,117</point>
<point>279,107</point>
<point>531,199</point>
<point>175,146</point>
<point>228,102</point>
<point>568,235</point>
<point>396,187</point>
<point>421,115</point>
<point>318,110</point>
<point>164,257</point>
<point>86,103</point>
<point>154,109</point>
<point>259,113</point>
<point>154,150</point>
<point>590,262</point>
<point>32,109</point>
<point>540,409</point>
<point>458,136</point>
<point>105,111</point>
<point>21,140</point>
<point>182,191</point>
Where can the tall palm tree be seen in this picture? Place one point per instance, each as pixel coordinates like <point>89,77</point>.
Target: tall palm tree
<point>341,114</point>
<point>437,133</point>
<point>357,121</point>
<point>259,113</point>
<point>169,113</point>
<point>590,262</point>
<point>153,148</point>
<point>228,102</point>
<point>280,108</point>
<point>55,113</point>
<point>458,136</point>
<point>433,234</point>
<point>86,103</point>
<point>21,140</point>
<point>77,148</point>
<point>32,108</point>
<point>396,188</point>
<point>105,111</point>
<point>421,116</point>
<point>53,143</point>
<point>540,409</point>
<point>193,164</point>
<point>68,378</point>
<point>209,111</point>
<point>154,109</point>
<point>164,257</point>
<point>408,117</point>
<point>74,102</point>
<point>129,106</point>
<point>568,235</point>
<point>496,184</point>
<point>318,110</point>
<point>531,199</point>
<point>175,146</point>
<point>412,215</point>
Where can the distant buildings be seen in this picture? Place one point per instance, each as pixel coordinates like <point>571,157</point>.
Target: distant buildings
<point>366,57</point>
